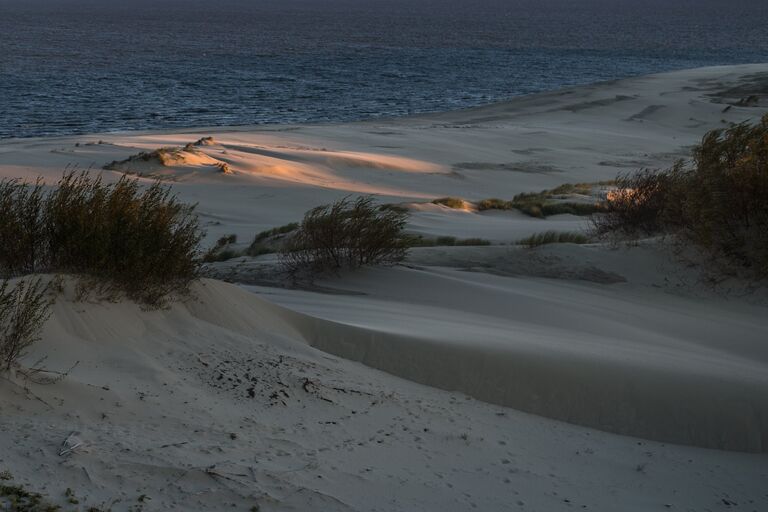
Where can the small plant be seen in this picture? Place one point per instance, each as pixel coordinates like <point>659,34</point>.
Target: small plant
<point>553,237</point>
<point>17,498</point>
<point>71,498</point>
<point>281,230</point>
<point>451,202</point>
<point>541,204</point>
<point>268,241</point>
<point>494,204</point>
<point>24,308</point>
<point>345,234</point>
<point>224,168</point>
<point>220,251</point>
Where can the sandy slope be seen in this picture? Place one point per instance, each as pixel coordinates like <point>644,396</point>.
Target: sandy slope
<point>621,357</point>
<point>220,403</point>
<point>626,341</point>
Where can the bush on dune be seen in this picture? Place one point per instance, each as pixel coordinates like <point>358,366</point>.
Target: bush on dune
<point>24,308</point>
<point>451,202</point>
<point>634,209</point>
<point>142,242</point>
<point>345,235</point>
<point>718,201</point>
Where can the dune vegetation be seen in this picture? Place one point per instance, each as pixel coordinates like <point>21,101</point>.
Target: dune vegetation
<point>553,237</point>
<point>119,238</point>
<point>346,234</point>
<point>716,202</point>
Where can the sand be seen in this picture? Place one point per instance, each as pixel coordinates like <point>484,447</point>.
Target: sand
<point>488,378</point>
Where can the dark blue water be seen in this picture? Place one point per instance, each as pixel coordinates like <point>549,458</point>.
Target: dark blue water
<point>75,66</point>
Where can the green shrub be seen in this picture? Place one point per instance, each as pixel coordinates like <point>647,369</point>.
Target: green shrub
<point>540,204</point>
<point>345,234</point>
<point>553,237</point>
<point>24,308</point>
<point>123,238</point>
<point>450,202</point>
<point>494,204</point>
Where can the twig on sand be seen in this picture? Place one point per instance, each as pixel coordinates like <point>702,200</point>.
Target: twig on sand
<point>305,386</point>
<point>71,443</point>
<point>175,445</point>
<point>27,392</point>
<point>37,373</point>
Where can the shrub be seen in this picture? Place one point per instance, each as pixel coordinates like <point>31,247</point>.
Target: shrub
<point>345,234</point>
<point>220,251</point>
<point>268,241</point>
<point>553,237</point>
<point>723,204</point>
<point>540,204</point>
<point>717,201</point>
<point>494,204</point>
<point>142,242</point>
<point>281,230</point>
<point>636,207</point>
<point>450,202</point>
<point>22,227</point>
<point>24,308</point>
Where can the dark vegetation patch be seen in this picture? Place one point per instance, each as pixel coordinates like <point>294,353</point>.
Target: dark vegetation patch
<point>24,308</point>
<point>553,237</point>
<point>450,202</point>
<point>119,238</point>
<point>444,241</point>
<point>346,234</point>
<point>716,202</point>
<point>555,201</point>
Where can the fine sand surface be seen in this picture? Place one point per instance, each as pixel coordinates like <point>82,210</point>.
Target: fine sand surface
<point>492,378</point>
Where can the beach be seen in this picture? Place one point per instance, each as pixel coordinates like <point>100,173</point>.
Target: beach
<point>490,376</point>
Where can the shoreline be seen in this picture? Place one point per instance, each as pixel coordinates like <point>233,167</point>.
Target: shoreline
<point>561,376</point>
<point>384,118</point>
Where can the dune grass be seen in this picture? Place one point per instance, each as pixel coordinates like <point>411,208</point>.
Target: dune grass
<point>451,202</point>
<point>550,202</point>
<point>553,237</point>
<point>120,237</point>
<point>444,241</point>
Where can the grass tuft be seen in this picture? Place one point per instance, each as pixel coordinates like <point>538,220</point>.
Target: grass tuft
<point>553,237</point>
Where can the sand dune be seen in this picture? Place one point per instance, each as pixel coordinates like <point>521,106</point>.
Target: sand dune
<point>258,395</point>
<point>621,358</point>
<point>220,402</point>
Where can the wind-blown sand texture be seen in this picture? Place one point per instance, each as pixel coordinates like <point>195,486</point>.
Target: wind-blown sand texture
<point>256,395</point>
